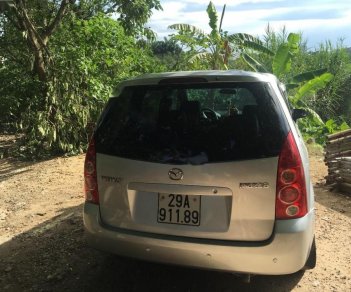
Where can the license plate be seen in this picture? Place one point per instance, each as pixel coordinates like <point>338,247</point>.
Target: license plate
<point>179,209</point>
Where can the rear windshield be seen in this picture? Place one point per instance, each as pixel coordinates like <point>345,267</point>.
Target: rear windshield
<point>192,123</point>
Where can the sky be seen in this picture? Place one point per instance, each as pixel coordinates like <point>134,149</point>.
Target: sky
<point>318,20</point>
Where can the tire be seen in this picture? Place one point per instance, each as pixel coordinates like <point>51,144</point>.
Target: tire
<point>312,258</point>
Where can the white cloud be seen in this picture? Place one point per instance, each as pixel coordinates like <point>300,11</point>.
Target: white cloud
<point>170,10</point>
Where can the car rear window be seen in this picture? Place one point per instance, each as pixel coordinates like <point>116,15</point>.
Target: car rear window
<point>192,123</point>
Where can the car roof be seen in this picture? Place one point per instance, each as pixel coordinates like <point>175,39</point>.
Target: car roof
<point>209,76</point>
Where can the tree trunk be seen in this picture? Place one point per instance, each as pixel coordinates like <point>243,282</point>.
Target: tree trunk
<point>36,40</point>
<point>39,67</point>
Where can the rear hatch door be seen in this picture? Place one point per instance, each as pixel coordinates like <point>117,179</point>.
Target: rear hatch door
<point>194,160</point>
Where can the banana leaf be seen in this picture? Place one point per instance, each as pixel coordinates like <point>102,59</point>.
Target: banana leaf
<point>212,15</point>
<point>187,27</point>
<point>200,56</point>
<point>254,64</point>
<point>306,76</point>
<point>313,85</point>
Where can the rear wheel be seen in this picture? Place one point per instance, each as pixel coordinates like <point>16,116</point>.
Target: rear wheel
<point>312,258</point>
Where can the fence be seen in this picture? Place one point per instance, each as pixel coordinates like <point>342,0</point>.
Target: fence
<point>338,160</point>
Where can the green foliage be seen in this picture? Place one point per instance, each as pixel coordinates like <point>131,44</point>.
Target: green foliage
<point>216,50</point>
<point>312,125</point>
<point>187,28</point>
<point>333,100</point>
<point>213,17</point>
<point>55,77</point>
<point>317,130</point>
<point>280,59</point>
<point>169,55</point>
<point>311,86</point>
<point>283,57</point>
<point>15,69</point>
<point>89,58</point>
<point>245,41</point>
<point>305,76</point>
<point>312,78</point>
<point>93,57</point>
<point>131,14</point>
<point>328,95</point>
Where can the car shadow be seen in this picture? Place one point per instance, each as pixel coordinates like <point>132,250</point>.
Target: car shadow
<point>333,199</point>
<point>144,276</point>
<point>54,256</point>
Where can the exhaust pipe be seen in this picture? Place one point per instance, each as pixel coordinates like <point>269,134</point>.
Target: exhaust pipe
<point>246,278</point>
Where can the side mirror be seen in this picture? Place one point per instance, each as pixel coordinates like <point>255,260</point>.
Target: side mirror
<point>298,113</point>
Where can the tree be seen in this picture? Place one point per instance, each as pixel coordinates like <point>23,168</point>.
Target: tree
<point>56,80</point>
<point>91,57</point>
<point>170,55</point>
<point>214,50</point>
<point>306,88</point>
<point>294,63</point>
<point>333,100</point>
<point>37,28</point>
<point>39,19</point>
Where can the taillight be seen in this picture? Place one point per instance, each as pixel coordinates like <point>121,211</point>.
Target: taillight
<point>291,200</point>
<point>90,178</point>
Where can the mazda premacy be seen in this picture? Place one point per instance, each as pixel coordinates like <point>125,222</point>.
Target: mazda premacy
<point>204,169</point>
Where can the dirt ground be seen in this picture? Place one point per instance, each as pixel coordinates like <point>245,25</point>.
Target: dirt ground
<point>42,245</point>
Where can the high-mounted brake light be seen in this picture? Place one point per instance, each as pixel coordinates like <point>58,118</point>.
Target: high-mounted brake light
<point>90,178</point>
<point>182,80</point>
<point>291,200</point>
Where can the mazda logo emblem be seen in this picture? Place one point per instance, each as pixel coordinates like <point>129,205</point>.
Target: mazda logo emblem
<point>175,174</point>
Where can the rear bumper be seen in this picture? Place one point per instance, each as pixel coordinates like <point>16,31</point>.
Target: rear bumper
<point>286,252</point>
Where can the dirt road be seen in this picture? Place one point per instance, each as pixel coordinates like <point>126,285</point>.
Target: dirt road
<point>42,246</point>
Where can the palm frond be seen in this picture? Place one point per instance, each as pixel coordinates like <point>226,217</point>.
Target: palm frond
<point>306,76</point>
<point>253,63</point>
<point>187,28</point>
<point>241,37</point>
<point>258,47</point>
<point>200,56</point>
<point>313,85</point>
<point>246,41</point>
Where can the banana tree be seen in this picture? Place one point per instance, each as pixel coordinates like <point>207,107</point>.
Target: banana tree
<point>215,49</point>
<point>305,87</point>
<point>303,84</point>
<point>302,87</point>
<point>281,59</point>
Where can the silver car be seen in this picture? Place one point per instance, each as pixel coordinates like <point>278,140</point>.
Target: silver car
<point>204,169</point>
